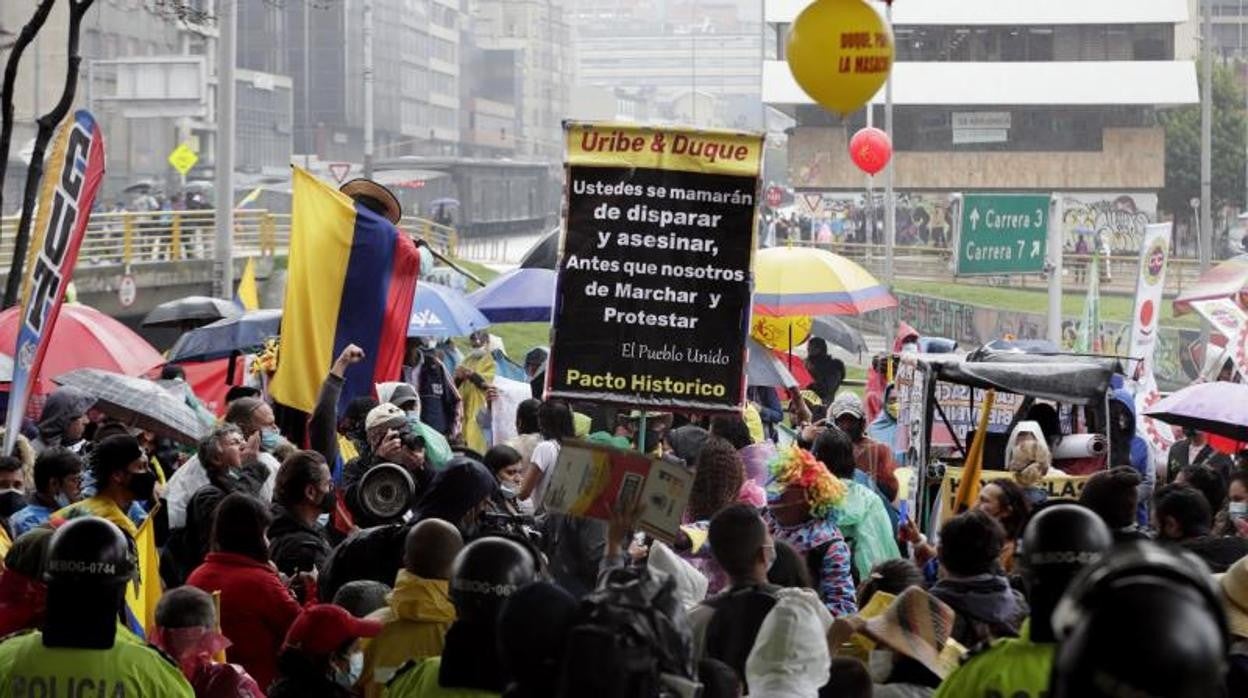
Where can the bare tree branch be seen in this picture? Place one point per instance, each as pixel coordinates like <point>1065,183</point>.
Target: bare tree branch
<point>10,77</point>
<point>47,125</point>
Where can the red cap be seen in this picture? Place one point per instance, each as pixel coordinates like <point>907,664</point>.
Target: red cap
<point>322,629</point>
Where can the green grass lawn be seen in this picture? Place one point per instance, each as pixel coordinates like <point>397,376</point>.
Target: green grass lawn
<point>518,337</point>
<point>1112,307</point>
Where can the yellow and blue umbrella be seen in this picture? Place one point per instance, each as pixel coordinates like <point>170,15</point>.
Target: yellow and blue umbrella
<point>807,281</point>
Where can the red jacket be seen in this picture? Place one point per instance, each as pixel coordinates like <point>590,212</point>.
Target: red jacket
<point>256,610</point>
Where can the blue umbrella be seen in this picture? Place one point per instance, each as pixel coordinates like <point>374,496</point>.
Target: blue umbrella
<point>520,295</point>
<point>438,311</point>
<point>220,339</point>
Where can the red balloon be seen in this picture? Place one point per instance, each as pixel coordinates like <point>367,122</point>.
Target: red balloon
<point>870,149</point>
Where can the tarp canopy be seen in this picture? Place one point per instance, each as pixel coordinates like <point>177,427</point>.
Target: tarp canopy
<point>987,354</point>
<point>1068,381</point>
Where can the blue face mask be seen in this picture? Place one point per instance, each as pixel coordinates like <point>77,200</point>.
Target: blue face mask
<point>269,439</point>
<point>62,500</point>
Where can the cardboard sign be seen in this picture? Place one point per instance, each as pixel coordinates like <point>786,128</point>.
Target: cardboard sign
<point>653,300</point>
<point>590,480</point>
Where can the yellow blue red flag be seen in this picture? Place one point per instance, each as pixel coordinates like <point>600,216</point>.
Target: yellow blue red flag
<point>143,594</point>
<point>248,297</point>
<point>350,280</point>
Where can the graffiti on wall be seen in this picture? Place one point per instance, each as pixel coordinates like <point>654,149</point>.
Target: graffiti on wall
<point>922,218</point>
<point>1117,219</point>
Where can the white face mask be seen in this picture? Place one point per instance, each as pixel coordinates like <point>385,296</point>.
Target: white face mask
<point>355,668</point>
<point>1238,510</point>
<point>880,664</point>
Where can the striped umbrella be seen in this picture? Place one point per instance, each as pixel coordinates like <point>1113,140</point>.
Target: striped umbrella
<point>138,402</point>
<point>809,281</point>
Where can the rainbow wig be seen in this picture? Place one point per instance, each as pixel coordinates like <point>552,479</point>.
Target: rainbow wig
<point>796,466</point>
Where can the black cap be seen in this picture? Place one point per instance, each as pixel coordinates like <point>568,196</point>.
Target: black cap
<point>89,551</point>
<point>486,573</point>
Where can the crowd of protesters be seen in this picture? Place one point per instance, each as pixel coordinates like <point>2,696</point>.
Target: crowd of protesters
<point>289,572</point>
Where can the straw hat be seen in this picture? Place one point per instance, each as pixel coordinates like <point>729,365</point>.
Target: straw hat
<point>1234,589</point>
<point>361,188</point>
<point>917,625</point>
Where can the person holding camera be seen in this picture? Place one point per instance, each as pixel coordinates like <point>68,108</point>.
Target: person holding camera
<point>390,440</point>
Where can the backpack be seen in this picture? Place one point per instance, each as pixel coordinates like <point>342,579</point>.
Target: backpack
<point>630,640</point>
<point>739,613</point>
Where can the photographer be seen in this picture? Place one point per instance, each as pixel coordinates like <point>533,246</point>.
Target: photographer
<point>390,440</point>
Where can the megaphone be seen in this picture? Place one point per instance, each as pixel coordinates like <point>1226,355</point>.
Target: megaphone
<point>385,492</point>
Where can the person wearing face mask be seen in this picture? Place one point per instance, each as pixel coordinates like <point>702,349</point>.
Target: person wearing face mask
<point>304,492</point>
<point>186,622</point>
<point>870,456</point>
<point>884,427</point>
<point>1233,519</point>
<point>321,656</point>
<point>385,426</point>
<point>725,626</point>
<point>254,419</point>
<point>63,421</point>
<point>12,488</point>
<point>801,501</point>
<point>419,611</point>
<point>507,466</point>
<point>123,476</point>
<point>58,482</point>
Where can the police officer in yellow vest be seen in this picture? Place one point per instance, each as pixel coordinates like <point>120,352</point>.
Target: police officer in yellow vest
<point>81,651</point>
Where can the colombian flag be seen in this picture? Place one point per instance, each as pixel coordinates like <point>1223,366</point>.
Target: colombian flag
<point>351,280</point>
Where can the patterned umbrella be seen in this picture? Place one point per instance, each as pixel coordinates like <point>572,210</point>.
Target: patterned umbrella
<point>138,402</point>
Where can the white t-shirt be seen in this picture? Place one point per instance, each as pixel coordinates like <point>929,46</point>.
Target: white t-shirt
<point>544,457</point>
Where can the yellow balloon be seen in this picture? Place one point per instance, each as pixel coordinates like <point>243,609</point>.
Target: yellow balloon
<point>773,332</point>
<point>840,52</point>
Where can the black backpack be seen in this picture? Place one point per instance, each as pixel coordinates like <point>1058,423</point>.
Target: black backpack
<point>739,613</point>
<point>630,640</point>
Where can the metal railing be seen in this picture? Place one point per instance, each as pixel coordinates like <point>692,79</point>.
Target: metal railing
<point>134,237</point>
<point>1117,272</point>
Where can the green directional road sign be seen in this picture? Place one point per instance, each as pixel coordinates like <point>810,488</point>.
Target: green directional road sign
<point>1003,234</point>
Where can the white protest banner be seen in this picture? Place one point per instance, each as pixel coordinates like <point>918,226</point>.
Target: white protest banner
<point>1151,281</point>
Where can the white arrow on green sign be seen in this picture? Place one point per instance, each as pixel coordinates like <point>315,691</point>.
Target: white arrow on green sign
<point>1003,234</point>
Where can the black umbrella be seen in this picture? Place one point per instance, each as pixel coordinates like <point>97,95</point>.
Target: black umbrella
<point>194,310</point>
<point>544,254</point>
<point>243,334</point>
<point>834,330</point>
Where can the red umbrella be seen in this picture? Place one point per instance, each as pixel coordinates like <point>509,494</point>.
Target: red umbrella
<point>84,338</point>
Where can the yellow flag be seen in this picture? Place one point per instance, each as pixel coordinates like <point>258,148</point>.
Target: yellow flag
<point>143,595</point>
<point>219,657</point>
<point>968,489</point>
<point>248,297</point>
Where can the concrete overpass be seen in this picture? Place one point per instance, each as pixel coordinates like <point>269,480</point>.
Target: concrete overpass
<point>169,256</point>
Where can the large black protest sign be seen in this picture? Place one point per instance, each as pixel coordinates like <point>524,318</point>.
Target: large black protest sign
<point>654,282</point>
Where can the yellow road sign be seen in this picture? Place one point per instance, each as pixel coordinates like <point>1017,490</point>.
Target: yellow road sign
<point>183,158</point>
